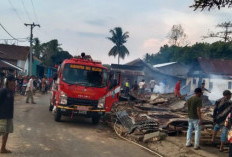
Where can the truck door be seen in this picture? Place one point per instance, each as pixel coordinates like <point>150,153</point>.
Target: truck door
<point>113,90</point>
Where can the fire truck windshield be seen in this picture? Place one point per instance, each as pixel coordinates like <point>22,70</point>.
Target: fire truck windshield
<point>85,75</point>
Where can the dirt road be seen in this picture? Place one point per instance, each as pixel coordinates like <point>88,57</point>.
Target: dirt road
<point>38,135</point>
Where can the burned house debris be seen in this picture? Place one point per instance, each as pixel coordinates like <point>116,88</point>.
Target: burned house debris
<point>151,73</point>
<point>149,117</point>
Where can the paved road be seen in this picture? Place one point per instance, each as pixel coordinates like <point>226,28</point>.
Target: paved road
<point>38,135</point>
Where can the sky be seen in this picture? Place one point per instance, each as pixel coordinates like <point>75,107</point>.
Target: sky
<point>83,25</point>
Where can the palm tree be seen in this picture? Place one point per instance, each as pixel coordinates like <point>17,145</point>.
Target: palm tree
<point>119,39</point>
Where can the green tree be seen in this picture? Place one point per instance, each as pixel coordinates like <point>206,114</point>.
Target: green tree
<point>107,66</point>
<point>50,52</point>
<point>50,49</point>
<point>60,57</point>
<point>225,35</point>
<point>209,4</point>
<point>190,54</point>
<point>37,48</point>
<point>119,39</point>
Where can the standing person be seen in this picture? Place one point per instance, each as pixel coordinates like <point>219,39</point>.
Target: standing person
<point>228,124</point>
<point>135,86</point>
<point>177,89</point>
<point>20,82</point>
<point>194,113</point>
<point>203,88</point>
<point>43,84</point>
<point>222,108</point>
<point>152,85</point>
<point>54,90</point>
<point>142,85</point>
<point>6,111</point>
<point>127,85</point>
<point>29,90</point>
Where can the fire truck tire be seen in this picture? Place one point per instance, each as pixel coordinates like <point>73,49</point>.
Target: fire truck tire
<point>57,115</point>
<point>95,119</point>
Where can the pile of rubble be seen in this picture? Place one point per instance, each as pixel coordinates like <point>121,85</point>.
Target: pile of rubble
<point>151,117</point>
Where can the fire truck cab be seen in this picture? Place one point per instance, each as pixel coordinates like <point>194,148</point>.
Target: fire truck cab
<point>84,87</point>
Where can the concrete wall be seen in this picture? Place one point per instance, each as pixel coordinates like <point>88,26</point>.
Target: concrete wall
<point>26,67</point>
<point>21,64</point>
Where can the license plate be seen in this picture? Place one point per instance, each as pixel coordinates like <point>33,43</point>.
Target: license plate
<point>82,108</point>
<point>82,112</point>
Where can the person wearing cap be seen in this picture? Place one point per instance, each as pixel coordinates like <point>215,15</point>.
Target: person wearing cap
<point>6,111</point>
<point>222,108</point>
<point>29,90</point>
<point>194,122</point>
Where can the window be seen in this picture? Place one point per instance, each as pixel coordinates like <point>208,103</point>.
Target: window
<point>229,85</point>
<point>194,81</point>
<point>210,85</point>
<point>85,75</point>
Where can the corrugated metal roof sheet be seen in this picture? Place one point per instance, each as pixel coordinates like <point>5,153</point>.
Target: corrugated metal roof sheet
<point>216,66</point>
<point>7,65</point>
<point>128,69</point>
<point>163,64</point>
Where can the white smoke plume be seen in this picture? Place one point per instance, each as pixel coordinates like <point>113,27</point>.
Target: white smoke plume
<point>161,88</point>
<point>219,85</point>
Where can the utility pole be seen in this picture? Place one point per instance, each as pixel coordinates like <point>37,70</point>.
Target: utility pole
<point>31,39</point>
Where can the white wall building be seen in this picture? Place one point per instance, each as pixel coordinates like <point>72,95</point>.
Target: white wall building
<point>216,73</point>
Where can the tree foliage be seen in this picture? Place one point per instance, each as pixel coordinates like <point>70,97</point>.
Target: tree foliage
<point>209,4</point>
<point>189,54</point>
<point>36,48</point>
<point>177,36</point>
<point>119,39</point>
<point>225,35</point>
<point>50,52</point>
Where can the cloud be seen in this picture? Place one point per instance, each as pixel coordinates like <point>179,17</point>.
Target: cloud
<point>153,45</point>
<point>96,22</point>
<point>83,25</point>
<point>91,34</point>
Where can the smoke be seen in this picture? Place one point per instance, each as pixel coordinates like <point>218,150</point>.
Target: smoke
<point>161,88</point>
<point>219,85</point>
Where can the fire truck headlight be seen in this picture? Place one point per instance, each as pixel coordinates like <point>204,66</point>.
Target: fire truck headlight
<point>63,98</point>
<point>101,102</point>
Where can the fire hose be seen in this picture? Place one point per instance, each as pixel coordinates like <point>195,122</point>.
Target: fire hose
<point>151,151</point>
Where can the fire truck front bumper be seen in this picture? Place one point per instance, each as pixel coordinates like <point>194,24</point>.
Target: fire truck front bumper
<point>76,110</point>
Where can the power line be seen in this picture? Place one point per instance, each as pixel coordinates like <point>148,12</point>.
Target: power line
<point>13,38</point>
<point>7,31</point>
<point>25,9</point>
<point>19,17</point>
<point>36,17</point>
<point>18,39</point>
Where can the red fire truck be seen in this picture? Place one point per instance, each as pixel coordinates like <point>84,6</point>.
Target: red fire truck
<point>84,87</point>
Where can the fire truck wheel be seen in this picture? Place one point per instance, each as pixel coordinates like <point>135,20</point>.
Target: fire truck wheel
<point>95,119</point>
<point>57,115</point>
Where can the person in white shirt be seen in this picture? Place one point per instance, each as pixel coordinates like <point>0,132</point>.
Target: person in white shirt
<point>152,85</point>
<point>29,90</point>
<point>142,85</point>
